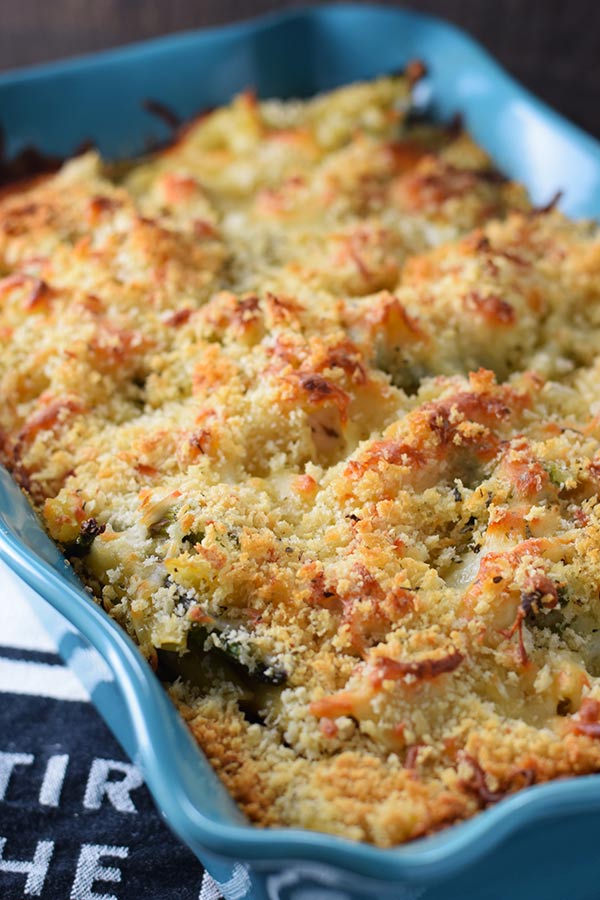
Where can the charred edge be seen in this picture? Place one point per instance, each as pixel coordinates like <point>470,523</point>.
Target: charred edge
<point>477,784</point>
<point>163,112</point>
<point>81,546</point>
<point>549,206</point>
<point>422,669</point>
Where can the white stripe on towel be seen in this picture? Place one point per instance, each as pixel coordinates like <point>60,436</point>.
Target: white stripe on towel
<point>18,676</point>
<point>19,626</point>
<point>209,889</point>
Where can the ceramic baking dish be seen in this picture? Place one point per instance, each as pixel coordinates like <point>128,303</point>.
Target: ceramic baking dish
<point>538,843</point>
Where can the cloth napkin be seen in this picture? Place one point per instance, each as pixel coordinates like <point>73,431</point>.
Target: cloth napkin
<point>76,820</point>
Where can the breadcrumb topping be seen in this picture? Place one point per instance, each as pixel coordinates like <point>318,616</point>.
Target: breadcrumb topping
<point>311,400</point>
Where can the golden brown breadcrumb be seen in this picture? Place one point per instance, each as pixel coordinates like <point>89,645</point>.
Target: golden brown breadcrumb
<point>311,400</point>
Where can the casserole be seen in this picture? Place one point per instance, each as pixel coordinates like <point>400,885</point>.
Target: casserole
<point>290,880</point>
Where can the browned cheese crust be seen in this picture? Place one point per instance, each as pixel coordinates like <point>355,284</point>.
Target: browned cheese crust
<point>312,402</point>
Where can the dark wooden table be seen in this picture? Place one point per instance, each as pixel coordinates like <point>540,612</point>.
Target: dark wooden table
<point>553,46</point>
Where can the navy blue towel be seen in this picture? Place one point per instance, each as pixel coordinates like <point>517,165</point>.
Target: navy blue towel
<point>76,820</point>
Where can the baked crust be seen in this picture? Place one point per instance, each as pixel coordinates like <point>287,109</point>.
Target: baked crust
<point>311,402</point>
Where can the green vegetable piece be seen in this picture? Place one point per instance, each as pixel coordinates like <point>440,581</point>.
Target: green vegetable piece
<point>230,651</point>
<point>81,546</point>
<point>556,474</point>
<point>160,527</point>
<point>194,537</point>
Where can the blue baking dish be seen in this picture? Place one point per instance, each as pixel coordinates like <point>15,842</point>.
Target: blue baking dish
<point>539,843</point>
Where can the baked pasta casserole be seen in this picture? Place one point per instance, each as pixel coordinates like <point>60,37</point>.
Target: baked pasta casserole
<point>311,401</point>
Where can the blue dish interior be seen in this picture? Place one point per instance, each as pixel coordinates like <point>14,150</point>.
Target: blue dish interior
<point>59,106</point>
<point>56,108</point>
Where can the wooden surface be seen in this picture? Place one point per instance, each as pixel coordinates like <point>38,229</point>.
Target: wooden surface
<point>553,46</point>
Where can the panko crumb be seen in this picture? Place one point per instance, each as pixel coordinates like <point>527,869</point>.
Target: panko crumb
<point>311,402</point>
